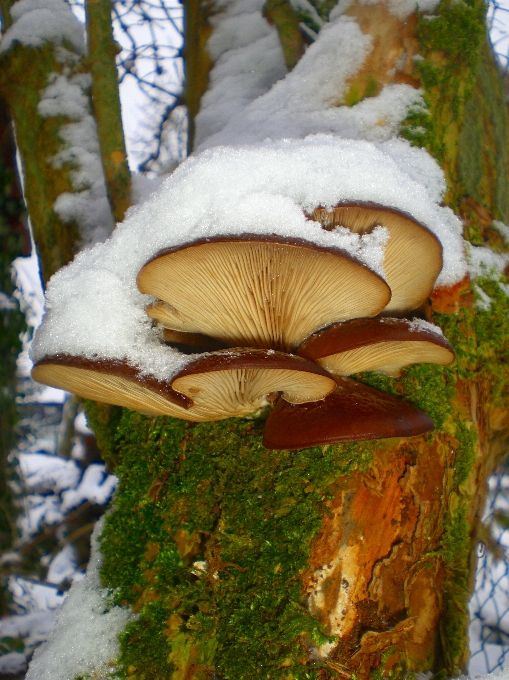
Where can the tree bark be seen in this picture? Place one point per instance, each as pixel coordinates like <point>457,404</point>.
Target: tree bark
<point>353,560</point>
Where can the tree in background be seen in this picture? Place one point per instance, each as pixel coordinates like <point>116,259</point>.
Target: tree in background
<point>215,542</point>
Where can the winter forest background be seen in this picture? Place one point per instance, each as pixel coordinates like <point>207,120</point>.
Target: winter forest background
<point>57,486</point>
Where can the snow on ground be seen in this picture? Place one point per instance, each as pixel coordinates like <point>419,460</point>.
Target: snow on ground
<point>84,639</point>
<point>48,488</point>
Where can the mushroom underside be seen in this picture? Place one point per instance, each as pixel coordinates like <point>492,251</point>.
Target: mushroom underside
<point>111,386</point>
<point>413,254</point>
<point>214,386</point>
<point>251,292</point>
<point>386,357</point>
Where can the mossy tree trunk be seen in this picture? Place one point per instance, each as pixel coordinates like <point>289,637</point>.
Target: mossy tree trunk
<point>347,560</point>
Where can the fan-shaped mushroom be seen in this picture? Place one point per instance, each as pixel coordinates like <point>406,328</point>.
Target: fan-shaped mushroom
<point>259,291</point>
<point>112,382</point>
<point>236,383</point>
<point>413,255</point>
<point>213,386</point>
<point>384,345</point>
<point>351,413</point>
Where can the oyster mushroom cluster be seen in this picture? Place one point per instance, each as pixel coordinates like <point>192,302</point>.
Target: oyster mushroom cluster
<point>272,319</point>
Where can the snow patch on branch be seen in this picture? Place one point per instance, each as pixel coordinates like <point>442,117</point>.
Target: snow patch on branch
<point>36,22</point>
<point>402,8</point>
<point>307,100</point>
<point>248,61</point>
<point>84,640</point>
<point>88,206</point>
<point>485,262</point>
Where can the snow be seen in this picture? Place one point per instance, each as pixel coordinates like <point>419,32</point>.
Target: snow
<point>84,640</point>
<point>96,486</point>
<point>32,629</point>
<point>81,424</point>
<point>38,21</point>
<point>423,325</point>
<point>482,299</point>
<point>43,473</point>
<point>63,566</point>
<point>502,229</point>
<point>402,8</point>
<point>88,205</point>
<point>93,306</point>
<point>485,262</point>
<point>307,101</point>
<point>248,61</point>
<point>7,303</point>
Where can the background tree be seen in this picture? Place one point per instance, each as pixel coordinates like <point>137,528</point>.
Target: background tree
<point>326,562</point>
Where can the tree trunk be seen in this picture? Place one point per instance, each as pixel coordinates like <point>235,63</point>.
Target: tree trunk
<point>346,560</point>
<point>352,560</point>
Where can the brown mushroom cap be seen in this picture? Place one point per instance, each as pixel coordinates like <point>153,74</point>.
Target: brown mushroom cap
<point>112,382</point>
<point>235,383</point>
<point>191,343</point>
<point>413,255</point>
<point>254,291</point>
<point>384,345</point>
<point>353,412</point>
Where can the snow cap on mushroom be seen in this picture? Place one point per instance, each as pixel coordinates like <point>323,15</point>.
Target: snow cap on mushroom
<point>96,309</point>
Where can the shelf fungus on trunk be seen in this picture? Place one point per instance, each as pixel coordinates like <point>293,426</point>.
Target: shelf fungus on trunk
<point>353,412</point>
<point>413,255</point>
<point>213,386</point>
<point>237,382</point>
<point>259,291</point>
<point>383,344</point>
<point>113,382</point>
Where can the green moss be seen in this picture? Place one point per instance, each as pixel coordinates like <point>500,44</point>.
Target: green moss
<point>456,547</point>
<point>451,43</point>
<point>211,493</point>
<point>104,420</point>
<point>219,528</point>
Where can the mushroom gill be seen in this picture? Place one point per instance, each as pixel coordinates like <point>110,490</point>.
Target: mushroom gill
<point>235,383</point>
<point>383,345</point>
<point>413,255</point>
<point>212,387</point>
<point>259,291</point>
<point>112,382</point>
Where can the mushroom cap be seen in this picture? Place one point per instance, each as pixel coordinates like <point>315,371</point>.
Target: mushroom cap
<point>260,291</point>
<point>384,345</point>
<point>212,387</point>
<point>112,382</point>
<point>235,383</point>
<point>166,315</point>
<point>191,343</point>
<point>353,412</point>
<point>413,254</point>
